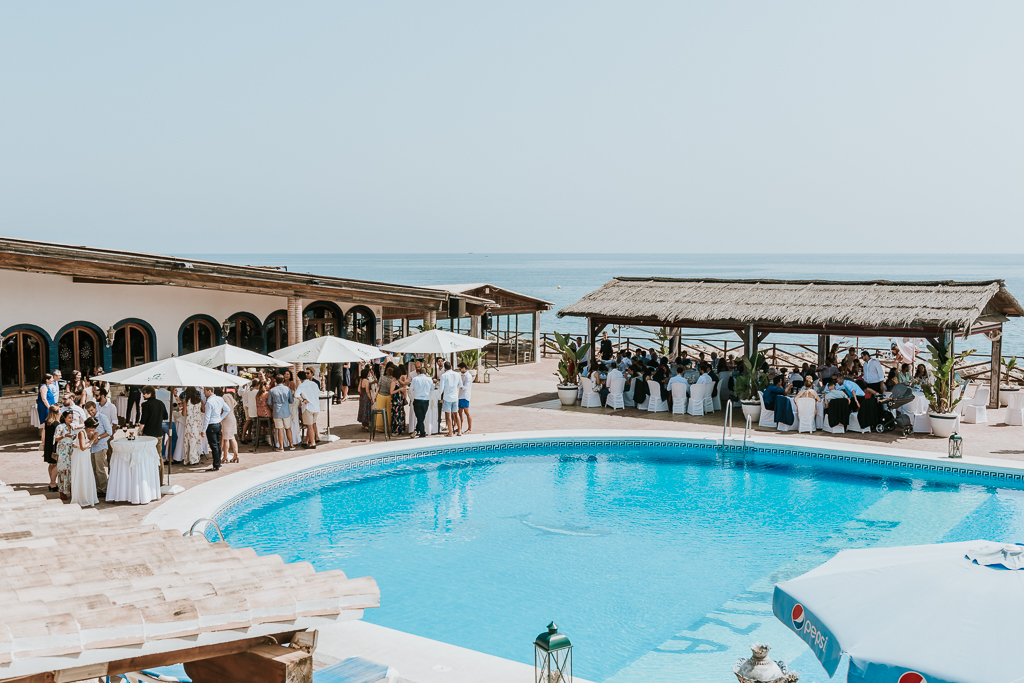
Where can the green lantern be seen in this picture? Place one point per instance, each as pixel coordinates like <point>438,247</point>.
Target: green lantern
<point>552,657</point>
<point>956,446</point>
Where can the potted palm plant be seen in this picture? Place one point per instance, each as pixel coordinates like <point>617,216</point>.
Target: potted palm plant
<point>568,372</point>
<point>746,385</point>
<point>1009,388</point>
<point>943,414</point>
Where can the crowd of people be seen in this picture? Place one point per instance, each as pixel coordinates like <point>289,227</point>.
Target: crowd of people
<point>78,419</point>
<point>856,384</point>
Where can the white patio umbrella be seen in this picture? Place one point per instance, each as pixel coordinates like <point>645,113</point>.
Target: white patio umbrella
<point>328,350</point>
<point>172,372</point>
<point>226,354</point>
<point>944,613</point>
<point>437,342</point>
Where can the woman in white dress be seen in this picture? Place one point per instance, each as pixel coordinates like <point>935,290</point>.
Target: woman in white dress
<point>193,437</point>
<point>83,482</point>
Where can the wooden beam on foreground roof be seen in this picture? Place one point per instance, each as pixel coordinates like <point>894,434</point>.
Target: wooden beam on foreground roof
<point>263,664</point>
<point>151,661</point>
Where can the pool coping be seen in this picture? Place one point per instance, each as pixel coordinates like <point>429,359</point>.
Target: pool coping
<point>207,499</point>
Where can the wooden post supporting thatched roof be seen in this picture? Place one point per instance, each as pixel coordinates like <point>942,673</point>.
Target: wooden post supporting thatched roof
<point>800,306</point>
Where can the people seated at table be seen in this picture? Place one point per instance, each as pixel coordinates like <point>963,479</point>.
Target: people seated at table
<point>774,390</point>
<point>904,376</point>
<point>689,372</point>
<point>890,379</point>
<point>705,374</point>
<point>921,375</point>
<point>795,377</point>
<point>613,374</point>
<point>837,404</point>
<point>870,410</point>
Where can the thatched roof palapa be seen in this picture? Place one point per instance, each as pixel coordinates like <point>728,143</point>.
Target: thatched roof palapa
<point>805,304</point>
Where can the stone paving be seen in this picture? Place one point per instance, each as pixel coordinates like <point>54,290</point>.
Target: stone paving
<point>518,398</point>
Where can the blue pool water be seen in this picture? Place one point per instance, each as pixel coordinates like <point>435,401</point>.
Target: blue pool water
<point>657,559</point>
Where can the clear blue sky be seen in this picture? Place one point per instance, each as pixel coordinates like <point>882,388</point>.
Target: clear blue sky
<point>519,126</point>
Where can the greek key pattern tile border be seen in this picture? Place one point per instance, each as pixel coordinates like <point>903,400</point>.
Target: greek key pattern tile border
<point>306,477</point>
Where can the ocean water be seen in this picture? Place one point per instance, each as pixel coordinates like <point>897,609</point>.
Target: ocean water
<point>565,278</point>
<point>657,560</point>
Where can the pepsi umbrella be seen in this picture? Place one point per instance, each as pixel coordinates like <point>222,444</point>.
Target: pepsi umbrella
<point>945,613</point>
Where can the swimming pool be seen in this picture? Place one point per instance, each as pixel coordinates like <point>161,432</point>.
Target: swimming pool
<point>656,556</point>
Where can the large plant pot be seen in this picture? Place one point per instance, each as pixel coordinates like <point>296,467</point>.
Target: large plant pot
<point>751,409</point>
<point>1005,393</point>
<point>943,424</point>
<point>567,394</point>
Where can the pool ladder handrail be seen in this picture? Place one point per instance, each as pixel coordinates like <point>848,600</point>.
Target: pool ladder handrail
<point>216,526</point>
<point>727,427</point>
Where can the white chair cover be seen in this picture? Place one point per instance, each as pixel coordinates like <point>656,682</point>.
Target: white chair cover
<point>716,399</point>
<point>654,403</point>
<point>590,398</point>
<point>767,416</point>
<point>627,396</point>
<point>806,409</point>
<point>977,411</point>
<point>616,387</point>
<point>782,426</point>
<point>678,398</point>
<point>697,405</point>
<point>855,424</point>
<point>922,423</point>
<point>1015,409</point>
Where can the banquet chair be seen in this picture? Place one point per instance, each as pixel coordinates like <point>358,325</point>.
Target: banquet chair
<point>655,404</point>
<point>922,423</point>
<point>709,401</point>
<point>1015,409</point>
<point>854,425</point>
<point>616,388</point>
<point>976,411</point>
<point>782,426</point>
<point>698,394</point>
<point>678,398</point>
<point>589,398</point>
<point>806,411</point>
<point>825,426</point>
<point>716,399</point>
<point>627,394</point>
<point>767,416</point>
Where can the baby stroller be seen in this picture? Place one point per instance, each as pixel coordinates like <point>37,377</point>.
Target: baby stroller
<point>891,417</point>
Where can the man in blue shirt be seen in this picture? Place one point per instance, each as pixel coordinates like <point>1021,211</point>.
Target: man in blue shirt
<point>99,447</point>
<point>773,392</point>
<point>280,399</point>
<point>852,390</point>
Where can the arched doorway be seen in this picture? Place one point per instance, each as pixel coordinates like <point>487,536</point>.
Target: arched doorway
<point>360,325</point>
<point>22,360</point>
<point>79,349</point>
<point>196,335</point>
<point>276,331</point>
<point>321,319</point>
<point>244,332</point>
<point>133,345</point>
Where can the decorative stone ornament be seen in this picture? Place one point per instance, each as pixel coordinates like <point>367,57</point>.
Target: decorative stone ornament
<point>760,669</point>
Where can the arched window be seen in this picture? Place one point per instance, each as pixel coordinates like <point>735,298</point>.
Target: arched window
<point>198,335</point>
<point>22,360</point>
<point>244,333</point>
<point>277,331</point>
<point>79,349</point>
<point>132,346</point>
<point>320,321</point>
<point>360,326</point>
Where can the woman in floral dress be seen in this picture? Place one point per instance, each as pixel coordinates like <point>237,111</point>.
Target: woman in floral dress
<point>192,407</point>
<point>398,401</point>
<point>65,436</point>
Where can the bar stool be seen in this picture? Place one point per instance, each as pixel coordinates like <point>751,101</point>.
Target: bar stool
<point>384,419</point>
<point>258,423</point>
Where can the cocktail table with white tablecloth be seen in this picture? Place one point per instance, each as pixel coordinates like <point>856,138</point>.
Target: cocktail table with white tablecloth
<point>134,471</point>
<point>432,420</point>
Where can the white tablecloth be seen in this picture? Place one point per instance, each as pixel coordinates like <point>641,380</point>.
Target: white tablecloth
<point>430,420</point>
<point>917,406</point>
<point>122,406</point>
<point>134,471</point>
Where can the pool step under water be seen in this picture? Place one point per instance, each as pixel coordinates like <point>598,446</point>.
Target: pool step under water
<point>715,642</point>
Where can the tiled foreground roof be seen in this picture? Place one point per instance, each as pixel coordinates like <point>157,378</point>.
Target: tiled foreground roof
<point>80,586</point>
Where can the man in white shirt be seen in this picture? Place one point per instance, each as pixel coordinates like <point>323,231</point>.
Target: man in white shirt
<point>465,392</point>
<point>216,411</point>
<point>451,381</point>
<point>107,408</point>
<point>874,373</point>
<point>69,404</point>
<point>308,395</point>
<point>420,389</point>
<point>705,376</point>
